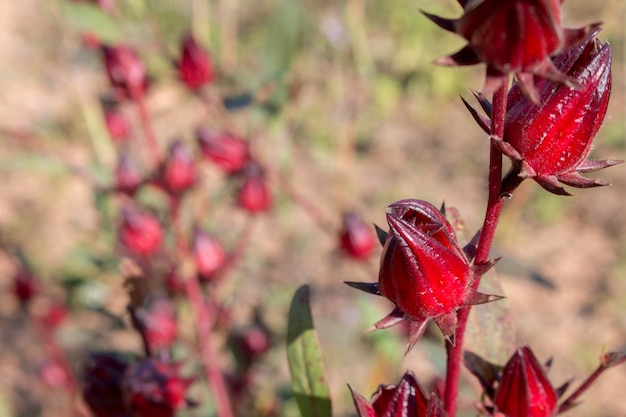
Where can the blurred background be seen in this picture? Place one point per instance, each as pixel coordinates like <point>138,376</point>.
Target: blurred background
<point>347,113</point>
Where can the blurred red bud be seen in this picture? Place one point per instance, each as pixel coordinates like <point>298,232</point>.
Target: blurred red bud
<point>155,389</point>
<point>208,254</point>
<point>179,172</point>
<point>117,125</point>
<point>102,384</point>
<point>195,67</point>
<point>254,195</point>
<point>126,71</point>
<point>227,151</point>
<point>140,232</point>
<point>25,286</point>
<point>356,238</point>
<point>127,175</point>
<point>157,322</point>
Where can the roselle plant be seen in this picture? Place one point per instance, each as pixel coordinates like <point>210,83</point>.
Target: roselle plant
<point>545,123</point>
<point>178,211</point>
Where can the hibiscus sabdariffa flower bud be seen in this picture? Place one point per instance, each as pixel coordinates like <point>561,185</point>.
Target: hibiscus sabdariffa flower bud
<point>424,271</point>
<point>195,67</point>
<point>524,389</point>
<point>512,37</point>
<point>406,399</point>
<point>550,143</point>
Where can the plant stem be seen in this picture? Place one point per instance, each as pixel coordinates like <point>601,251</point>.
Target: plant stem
<point>495,203</point>
<point>203,320</point>
<point>207,350</point>
<point>571,400</point>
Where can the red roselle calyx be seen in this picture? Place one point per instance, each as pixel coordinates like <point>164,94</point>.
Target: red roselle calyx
<point>424,271</point>
<point>102,384</point>
<point>208,254</point>
<point>550,143</point>
<point>140,232</point>
<point>126,72</point>
<point>407,399</point>
<point>356,238</point>
<point>512,36</point>
<point>157,322</point>
<point>25,286</point>
<point>254,194</point>
<point>128,178</point>
<point>179,172</point>
<point>524,389</point>
<point>227,151</point>
<point>155,389</point>
<point>117,125</point>
<point>195,67</point>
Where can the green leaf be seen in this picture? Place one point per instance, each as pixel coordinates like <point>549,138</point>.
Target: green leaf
<point>285,33</point>
<point>306,363</point>
<point>86,17</point>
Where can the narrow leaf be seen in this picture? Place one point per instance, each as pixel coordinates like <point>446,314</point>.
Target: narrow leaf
<point>306,363</point>
<point>85,17</point>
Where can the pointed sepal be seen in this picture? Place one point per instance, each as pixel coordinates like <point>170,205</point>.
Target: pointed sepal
<point>368,287</point>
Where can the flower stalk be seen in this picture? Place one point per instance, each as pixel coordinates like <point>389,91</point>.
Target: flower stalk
<point>495,203</point>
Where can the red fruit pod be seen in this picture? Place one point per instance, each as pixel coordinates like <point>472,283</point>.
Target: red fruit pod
<point>154,388</point>
<point>550,143</point>
<point>227,151</point>
<point>406,399</point>
<point>128,178</point>
<point>102,384</point>
<point>423,271</point>
<point>512,37</point>
<point>356,238</point>
<point>127,73</point>
<point>208,254</point>
<point>117,125</point>
<point>157,322</point>
<point>195,67</point>
<point>254,195</point>
<point>140,232</point>
<point>524,389</point>
<point>179,172</point>
<point>25,286</point>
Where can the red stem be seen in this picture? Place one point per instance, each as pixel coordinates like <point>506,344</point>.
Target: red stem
<point>203,321</point>
<point>571,400</point>
<point>214,374</point>
<point>495,203</point>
